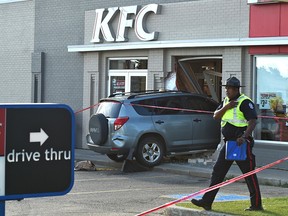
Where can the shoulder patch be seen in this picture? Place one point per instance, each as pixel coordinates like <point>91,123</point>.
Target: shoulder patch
<point>251,105</point>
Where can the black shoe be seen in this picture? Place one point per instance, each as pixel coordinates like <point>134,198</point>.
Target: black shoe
<point>253,208</point>
<point>201,203</point>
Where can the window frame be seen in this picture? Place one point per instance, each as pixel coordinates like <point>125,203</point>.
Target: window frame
<point>255,92</point>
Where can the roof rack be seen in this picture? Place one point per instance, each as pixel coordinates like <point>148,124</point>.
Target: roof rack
<point>137,93</point>
<point>130,93</point>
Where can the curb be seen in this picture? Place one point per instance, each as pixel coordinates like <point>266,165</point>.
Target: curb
<point>177,210</point>
<point>206,173</point>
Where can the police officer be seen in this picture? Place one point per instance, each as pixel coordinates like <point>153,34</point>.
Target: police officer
<point>238,120</point>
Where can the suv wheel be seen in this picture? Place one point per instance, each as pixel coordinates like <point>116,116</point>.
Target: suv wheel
<point>150,151</point>
<point>117,157</point>
<point>98,129</point>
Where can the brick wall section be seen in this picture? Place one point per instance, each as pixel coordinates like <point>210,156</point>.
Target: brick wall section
<point>247,75</point>
<point>16,47</point>
<point>91,69</point>
<point>232,66</point>
<point>156,69</point>
<point>237,62</point>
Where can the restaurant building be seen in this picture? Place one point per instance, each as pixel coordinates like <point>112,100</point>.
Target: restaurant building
<point>76,52</point>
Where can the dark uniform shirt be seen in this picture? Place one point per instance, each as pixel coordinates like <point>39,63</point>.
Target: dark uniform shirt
<point>231,132</point>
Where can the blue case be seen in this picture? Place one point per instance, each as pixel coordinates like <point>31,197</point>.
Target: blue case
<point>235,152</point>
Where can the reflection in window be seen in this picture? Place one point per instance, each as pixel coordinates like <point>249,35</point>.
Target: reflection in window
<point>132,64</point>
<point>10,1</point>
<point>199,103</point>
<point>138,83</point>
<point>144,107</point>
<point>168,106</point>
<point>272,97</point>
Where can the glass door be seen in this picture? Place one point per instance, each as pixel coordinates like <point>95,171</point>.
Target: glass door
<point>127,74</point>
<point>117,84</point>
<point>127,82</point>
<point>137,82</point>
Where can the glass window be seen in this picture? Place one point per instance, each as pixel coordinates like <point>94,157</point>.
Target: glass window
<point>10,1</point>
<point>109,108</point>
<point>199,103</point>
<point>144,107</point>
<point>132,64</point>
<point>138,83</point>
<point>168,106</point>
<point>117,84</point>
<point>272,97</point>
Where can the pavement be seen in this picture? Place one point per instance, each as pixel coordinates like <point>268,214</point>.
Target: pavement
<point>197,167</point>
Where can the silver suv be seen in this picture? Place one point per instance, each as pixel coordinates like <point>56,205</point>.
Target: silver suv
<point>152,125</point>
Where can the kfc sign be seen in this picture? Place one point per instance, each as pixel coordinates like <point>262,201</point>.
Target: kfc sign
<point>103,23</point>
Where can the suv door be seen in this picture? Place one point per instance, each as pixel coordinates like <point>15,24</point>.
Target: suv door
<point>172,123</point>
<point>206,131</point>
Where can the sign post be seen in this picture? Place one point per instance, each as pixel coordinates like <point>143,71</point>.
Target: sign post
<point>2,207</point>
<point>36,151</point>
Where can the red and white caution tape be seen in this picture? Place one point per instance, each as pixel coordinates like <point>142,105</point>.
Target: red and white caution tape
<point>180,109</point>
<point>87,108</point>
<point>222,184</point>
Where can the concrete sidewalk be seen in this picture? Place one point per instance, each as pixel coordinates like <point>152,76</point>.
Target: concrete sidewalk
<point>274,177</point>
<point>271,176</point>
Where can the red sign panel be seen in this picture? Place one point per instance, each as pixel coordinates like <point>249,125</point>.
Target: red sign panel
<point>269,20</point>
<point>2,131</point>
<point>265,1</point>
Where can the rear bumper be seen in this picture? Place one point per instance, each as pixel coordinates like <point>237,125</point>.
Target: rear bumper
<point>104,149</point>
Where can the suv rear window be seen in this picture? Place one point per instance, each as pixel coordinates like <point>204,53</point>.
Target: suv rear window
<point>109,108</point>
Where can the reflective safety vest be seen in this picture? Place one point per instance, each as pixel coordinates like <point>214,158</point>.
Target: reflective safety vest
<point>234,116</point>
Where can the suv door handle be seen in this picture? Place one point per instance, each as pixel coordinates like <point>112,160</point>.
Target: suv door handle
<point>197,120</point>
<point>159,122</point>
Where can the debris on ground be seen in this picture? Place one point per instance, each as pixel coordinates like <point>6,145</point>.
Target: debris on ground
<point>85,166</point>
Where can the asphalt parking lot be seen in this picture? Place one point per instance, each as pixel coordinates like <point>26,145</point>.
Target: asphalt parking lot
<point>109,191</point>
<point>275,177</point>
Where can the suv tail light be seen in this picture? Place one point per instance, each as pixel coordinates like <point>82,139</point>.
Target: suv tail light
<point>119,122</point>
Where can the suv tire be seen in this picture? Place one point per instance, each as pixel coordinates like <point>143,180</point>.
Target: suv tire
<point>150,151</point>
<point>98,128</point>
<point>117,157</point>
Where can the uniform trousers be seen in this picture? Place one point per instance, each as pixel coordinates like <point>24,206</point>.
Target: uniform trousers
<point>221,168</point>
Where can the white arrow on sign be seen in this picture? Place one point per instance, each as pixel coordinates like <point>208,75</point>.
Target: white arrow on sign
<point>38,136</point>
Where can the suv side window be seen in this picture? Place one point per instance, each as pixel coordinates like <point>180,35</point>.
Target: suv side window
<point>172,103</point>
<point>144,107</point>
<point>198,103</point>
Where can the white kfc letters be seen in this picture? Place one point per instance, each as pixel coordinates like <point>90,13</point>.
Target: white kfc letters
<point>124,22</point>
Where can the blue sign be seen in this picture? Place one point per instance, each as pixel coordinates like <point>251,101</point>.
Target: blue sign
<point>36,150</point>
